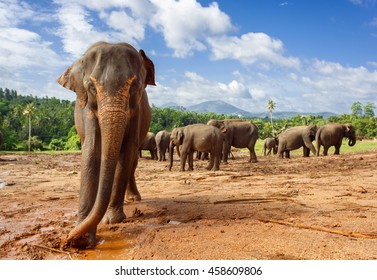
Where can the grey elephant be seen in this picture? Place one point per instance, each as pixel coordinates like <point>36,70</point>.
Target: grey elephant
<point>149,144</point>
<point>332,134</point>
<point>197,137</point>
<point>112,117</point>
<point>296,137</point>
<point>270,144</point>
<point>162,143</point>
<point>239,134</point>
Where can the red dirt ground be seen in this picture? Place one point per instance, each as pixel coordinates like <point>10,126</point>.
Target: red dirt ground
<point>299,208</point>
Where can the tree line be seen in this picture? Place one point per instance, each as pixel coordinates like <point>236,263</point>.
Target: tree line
<point>50,121</point>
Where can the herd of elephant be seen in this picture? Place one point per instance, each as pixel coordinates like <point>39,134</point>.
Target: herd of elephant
<point>112,118</point>
<point>218,136</point>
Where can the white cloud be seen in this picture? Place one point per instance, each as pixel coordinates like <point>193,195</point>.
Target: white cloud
<point>12,12</point>
<point>364,3</point>
<point>124,21</point>
<point>22,48</point>
<point>195,89</point>
<point>345,81</point>
<point>186,24</point>
<point>252,48</point>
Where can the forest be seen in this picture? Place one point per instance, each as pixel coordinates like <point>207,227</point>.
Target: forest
<point>36,124</point>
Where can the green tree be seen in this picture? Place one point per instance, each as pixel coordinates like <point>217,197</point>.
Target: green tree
<point>369,109</point>
<point>357,109</point>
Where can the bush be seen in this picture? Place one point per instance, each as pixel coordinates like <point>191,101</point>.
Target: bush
<point>35,144</point>
<point>73,143</point>
<point>56,145</point>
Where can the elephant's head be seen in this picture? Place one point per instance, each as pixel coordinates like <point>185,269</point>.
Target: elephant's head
<point>219,124</point>
<point>109,81</point>
<point>312,130</point>
<point>350,133</point>
<point>176,139</point>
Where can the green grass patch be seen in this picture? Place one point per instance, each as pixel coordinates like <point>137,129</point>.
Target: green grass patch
<point>360,147</point>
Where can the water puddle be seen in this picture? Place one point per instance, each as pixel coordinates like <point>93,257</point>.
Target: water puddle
<point>112,246</point>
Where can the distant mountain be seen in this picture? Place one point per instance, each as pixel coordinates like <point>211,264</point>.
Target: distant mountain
<point>218,107</point>
<point>221,107</point>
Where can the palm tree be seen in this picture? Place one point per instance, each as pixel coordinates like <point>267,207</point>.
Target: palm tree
<point>29,110</point>
<point>271,106</point>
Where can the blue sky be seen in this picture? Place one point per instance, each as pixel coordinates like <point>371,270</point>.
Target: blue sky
<point>307,55</point>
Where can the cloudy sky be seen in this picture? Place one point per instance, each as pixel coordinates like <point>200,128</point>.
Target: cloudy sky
<point>308,56</point>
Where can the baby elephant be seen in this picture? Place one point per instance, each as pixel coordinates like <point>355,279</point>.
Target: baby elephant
<point>197,137</point>
<point>270,143</point>
<point>296,137</point>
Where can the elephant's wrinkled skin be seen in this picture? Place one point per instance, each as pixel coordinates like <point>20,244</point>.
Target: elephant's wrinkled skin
<point>239,134</point>
<point>112,116</point>
<point>197,137</point>
<point>149,144</point>
<point>162,143</point>
<point>295,138</point>
<point>270,144</point>
<point>332,134</point>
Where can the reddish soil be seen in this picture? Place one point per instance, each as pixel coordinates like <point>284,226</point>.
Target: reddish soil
<point>298,208</point>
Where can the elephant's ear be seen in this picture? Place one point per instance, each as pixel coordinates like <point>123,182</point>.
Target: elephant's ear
<point>180,135</point>
<point>72,79</point>
<point>149,67</point>
<point>222,128</point>
<point>348,127</point>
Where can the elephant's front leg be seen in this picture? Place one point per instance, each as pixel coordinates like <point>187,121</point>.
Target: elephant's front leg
<point>184,154</point>
<point>191,160</point>
<point>337,147</point>
<point>124,185</point>
<point>90,169</point>
<point>226,151</point>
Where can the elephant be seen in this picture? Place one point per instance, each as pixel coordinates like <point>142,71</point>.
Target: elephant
<point>239,134</point>
<point>149,144</point>
<point>332,134</point>
<point>197,137</point>
<point>162,143</point>
<point>296,137</point>
<point>112,117</point>
<point>270,143</point>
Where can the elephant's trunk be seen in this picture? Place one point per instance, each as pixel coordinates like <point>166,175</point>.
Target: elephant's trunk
<point>112,133</point>
<point>171,152</point>
<point>352,141</point>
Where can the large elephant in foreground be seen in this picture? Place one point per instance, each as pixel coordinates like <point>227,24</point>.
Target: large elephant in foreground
<point>197,137</point>
<point>332,134</point>
<point>112,117</point>
<point>296,137</point>
<point>239,134</point>
<point>162,143</point>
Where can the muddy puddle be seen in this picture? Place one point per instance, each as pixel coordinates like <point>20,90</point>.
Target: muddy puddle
<point>111,246</point>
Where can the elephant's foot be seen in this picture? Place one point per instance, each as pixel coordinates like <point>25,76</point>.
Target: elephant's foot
<point>114,216</point>
<point>87,241</point>
<point>132,196</point>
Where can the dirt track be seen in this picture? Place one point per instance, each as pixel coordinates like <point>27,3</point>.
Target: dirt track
<point>302,208</point>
